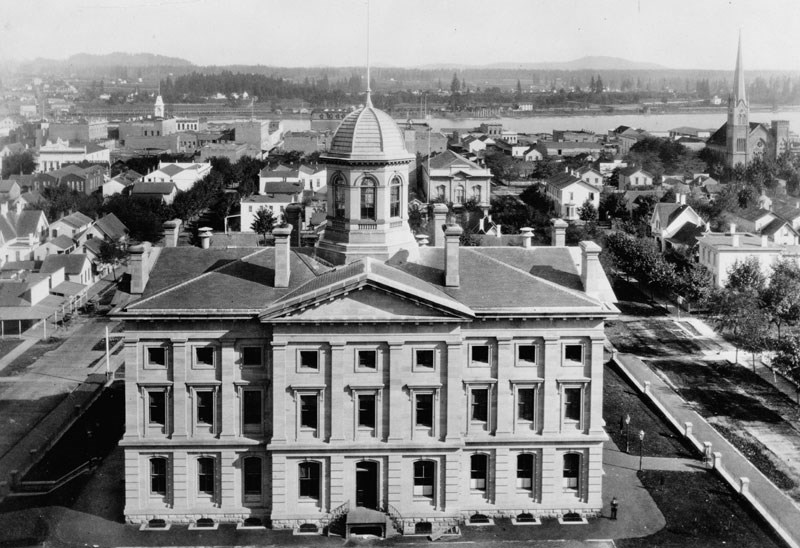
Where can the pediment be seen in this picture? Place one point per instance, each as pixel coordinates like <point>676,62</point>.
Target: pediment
<point>366,303</point>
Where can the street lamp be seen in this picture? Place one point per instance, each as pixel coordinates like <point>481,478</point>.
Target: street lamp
<point>627,431</point>
<point>641,448</point>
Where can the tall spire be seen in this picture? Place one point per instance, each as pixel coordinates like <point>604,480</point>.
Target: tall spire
<point>369,91</point>
<point>738,77</point>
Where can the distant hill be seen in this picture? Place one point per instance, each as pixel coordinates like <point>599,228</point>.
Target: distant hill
<point>90,61</point>
<point>596,62</point>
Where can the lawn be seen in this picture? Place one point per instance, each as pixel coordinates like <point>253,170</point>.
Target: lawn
<point>7,345</point>
<point>30,356</point>
<point>701,512</point>
<point>619,399</point>
<point>731,398</point>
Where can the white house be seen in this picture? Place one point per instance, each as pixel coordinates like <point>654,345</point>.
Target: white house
<point>719,252</point>
<point>569,193</point>
<point>675,219</point>
<point>55,155</point>
<point>184,175</point>
<point>633,176</point>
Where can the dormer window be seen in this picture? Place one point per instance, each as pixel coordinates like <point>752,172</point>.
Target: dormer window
<point>338,195</point>
<point>394,197</point>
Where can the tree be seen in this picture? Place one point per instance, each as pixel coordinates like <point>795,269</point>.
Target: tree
<point>19,163</point>
<point>746,276</point>
<point>110,254</point>
<point>587,212</point>
<point>455,85</point>
<point>264,222</point>
<point>502,166</point>
<point>787,357</point>
<point>613,206</point>
<point>781,298</point>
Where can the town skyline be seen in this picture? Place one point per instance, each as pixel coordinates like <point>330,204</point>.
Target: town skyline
<point>410,33</point>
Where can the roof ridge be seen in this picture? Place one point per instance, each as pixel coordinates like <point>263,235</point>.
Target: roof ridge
<point>178,285</point>
<point>573,292</point>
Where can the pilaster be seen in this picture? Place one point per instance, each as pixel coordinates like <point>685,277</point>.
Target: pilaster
<point>398,400</point>
<point>134,418</point>
<point>552,401</point>
<point>180,400</point>
<point>229,404</point>
<point>278,361</point>
<point>596,386</point>
<point>456,410</point>
<point>505,397</point>
<point>336,370</point>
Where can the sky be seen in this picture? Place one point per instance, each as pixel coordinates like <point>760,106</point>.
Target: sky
<point>408,33</point>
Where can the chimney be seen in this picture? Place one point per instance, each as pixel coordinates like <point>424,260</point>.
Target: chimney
<point>4,208</point>
<point>764,240</point>
<point>205,237</point>
<point>170,230</point>
<point>294,216</point>
<point>677,197</point>
<point>439,221</point>
<point>282,271</point>
<point>732,228</point>
<point>527,236</point>
<point>683,199</point>
<point>451,270</point>
<point>139,267</point>
<point>559,233</point>
<point>422,240</point>
<point>591,270</point>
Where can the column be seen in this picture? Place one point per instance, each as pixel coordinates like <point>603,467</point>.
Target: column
<point>227,481</point>
<point>551,418</point>
<point>336,480</point>
<point>134,419</point>
<point>596,386</point>
<point>456,407</point>
<point>229,404</point>
<point>181,413</point>
<point>397,406</point>
<point>278,350</point>
<point>336,371</point>
<point>502,472</point>
<point>452,481</point>
<point>505,397</point>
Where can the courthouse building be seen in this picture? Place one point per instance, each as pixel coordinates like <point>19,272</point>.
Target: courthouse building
<point>419,384</point>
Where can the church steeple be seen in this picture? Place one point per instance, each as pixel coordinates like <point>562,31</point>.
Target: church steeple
<point>738,127</point>
<point>740,93</point>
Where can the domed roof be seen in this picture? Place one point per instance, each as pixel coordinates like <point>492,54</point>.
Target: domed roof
<point>368,134</point>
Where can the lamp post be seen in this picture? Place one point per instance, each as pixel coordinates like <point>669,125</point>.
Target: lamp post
<point>627,431</point>
<point>641,448</point>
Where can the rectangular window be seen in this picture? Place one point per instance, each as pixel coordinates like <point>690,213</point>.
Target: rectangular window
<point>526,398</point>
<point>204,356</point>
<point>252,356</point>
<point>309,479</point>
<point>479,404</point>
<point>157,356</point>
<point>424,358</point>
<point>572,404</point>
<point>424,410</point>
<point>252,476</point>
<point>366,410</point>
<point>367,359</point>
<point>309,359</point>
<point>423,478</point>
<point>205,475</point>
<point>526,354</point>
<point>309,417</point>
<point>205,407</point>
<point>479,354</point>
<point>157,407</point>
<point>158,476</point>
<point>573,354</point>
<point>251,408</point>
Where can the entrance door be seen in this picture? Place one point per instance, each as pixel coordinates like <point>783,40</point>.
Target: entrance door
<point>367,484</point>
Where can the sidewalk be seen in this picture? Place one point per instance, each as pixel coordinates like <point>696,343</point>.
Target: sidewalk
<point>780,506</point>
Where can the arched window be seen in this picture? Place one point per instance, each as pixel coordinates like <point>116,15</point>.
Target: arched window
<point>158,476</point>
<point>424,471</point>
<point>368,199</point>
<point>252,476</point>
<point>309,477</point>
<point>476,193</point>
<point>572,471</point>
<point>525,469</point>
<point>479,471</point>
<point>394,197</point>
<point>339,184</point>
<point>459,194</point>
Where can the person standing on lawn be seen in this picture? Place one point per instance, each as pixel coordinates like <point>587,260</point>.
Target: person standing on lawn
<point>614,507</point>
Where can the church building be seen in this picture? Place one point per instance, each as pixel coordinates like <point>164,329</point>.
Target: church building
<point>739,140</point>
<point>416,386</point>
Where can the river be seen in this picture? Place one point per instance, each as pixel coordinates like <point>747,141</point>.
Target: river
<point>599,123</point>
